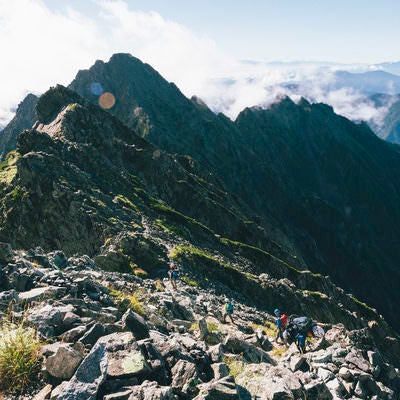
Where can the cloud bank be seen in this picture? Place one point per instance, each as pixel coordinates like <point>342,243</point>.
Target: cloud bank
<point>44,48</point>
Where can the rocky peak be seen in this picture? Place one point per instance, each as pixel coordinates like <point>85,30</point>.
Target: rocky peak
<point>24,118</point>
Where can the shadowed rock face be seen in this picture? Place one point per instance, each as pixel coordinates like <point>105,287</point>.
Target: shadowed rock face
<point>327,186</point>
<point>24,119</point>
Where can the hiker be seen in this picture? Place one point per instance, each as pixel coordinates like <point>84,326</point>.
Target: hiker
<point>298,329</point>
<point>173,274</point>
<point>227,310</point>
<point>281,322</point>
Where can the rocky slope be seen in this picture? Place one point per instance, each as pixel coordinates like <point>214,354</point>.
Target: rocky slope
<point>116,336</point>
<point>323,186</point>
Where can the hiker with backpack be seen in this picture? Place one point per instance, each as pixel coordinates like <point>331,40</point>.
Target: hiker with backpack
<point>298,329</point>
<point>173,274</point>
<point>281,322</point>
<point>227,310</point>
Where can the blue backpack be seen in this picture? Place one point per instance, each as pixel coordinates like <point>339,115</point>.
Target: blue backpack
<point>229,308</point>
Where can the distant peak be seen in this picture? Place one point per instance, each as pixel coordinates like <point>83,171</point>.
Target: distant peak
<point>53,101</point>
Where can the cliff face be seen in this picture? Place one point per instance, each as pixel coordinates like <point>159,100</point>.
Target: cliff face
<point>24,119</point>
<point>323,186</point>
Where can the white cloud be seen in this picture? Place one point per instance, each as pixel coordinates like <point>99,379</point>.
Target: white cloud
<point>44,48</point>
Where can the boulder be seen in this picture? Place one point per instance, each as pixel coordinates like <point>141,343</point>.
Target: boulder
<point>93,334</point>
<point>64,362</point>
<point>43,394</point>
<point>265,382</point>
<point>151,391</point>
<point>220,370</point>
<point>203,329</point>
<point>73,334</point>
<point>136,324</point>
<point>57,390</point>
<point>296,362</point>
<point>49,319</point>
<point>124,395</point>
<point>85,383</point>
<point>41,293</point>
<point>185,377</point>
<point>317,391</point>
<point>223,389</point>
<point>251,353</point>
<point>357,359</point>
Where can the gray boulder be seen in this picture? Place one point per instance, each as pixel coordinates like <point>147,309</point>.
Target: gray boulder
<point>86,382</point>
<point>136,324</point>
<point>64,362</point>
<point>223,389</point>
<point>250,352</point>
<point>151,391</point>
<point>185,377</point>
<point>317,391</point>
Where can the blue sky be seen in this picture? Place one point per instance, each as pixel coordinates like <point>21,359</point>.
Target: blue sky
<point>349,31</point>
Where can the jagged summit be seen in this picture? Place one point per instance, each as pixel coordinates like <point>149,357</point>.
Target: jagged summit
<point>24,118</point>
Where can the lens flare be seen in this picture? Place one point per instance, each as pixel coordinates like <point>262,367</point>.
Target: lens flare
<point>96,88</point>
<point>107,100</point>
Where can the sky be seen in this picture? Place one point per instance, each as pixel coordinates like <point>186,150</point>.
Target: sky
<point>197,44</point>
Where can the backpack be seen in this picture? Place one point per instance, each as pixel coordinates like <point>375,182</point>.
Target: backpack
<point>175,274</point>
<point>284,321</point>
<point>229,308</point>
<point>299,325</point>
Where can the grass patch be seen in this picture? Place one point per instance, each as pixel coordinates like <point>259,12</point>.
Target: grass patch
<point>315,294</point>
<point>363,305</point>
<point>139,272</point>
<point>176,215</point>
<point>278,351</point>
<point>20,357</point>
<point>119,198</point>
<point>190,282</point>
<point>8,168</point>
<point>268,329</point>
<point>125,301</point>
<point>212,327</point>
<point>235,366</point>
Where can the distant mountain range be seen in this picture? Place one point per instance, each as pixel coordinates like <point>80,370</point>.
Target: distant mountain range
<point>302,183</point>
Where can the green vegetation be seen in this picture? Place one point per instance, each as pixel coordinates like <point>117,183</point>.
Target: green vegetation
<point>269,329</point>
<point>139,272</point>
<point>363,305</point>
<point>171,229</point>
<point>190,282</point>
<point>212,327</point>
<point>119,198</point>
<point>235,366</point>
<point>18,193</point>
<point>315,294</point>
<point>278,351</point>
<point>8,168</point>
<point>176,216</point>
<point>128,300</point>
<point>206,266</point>
<point>19,356</point>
